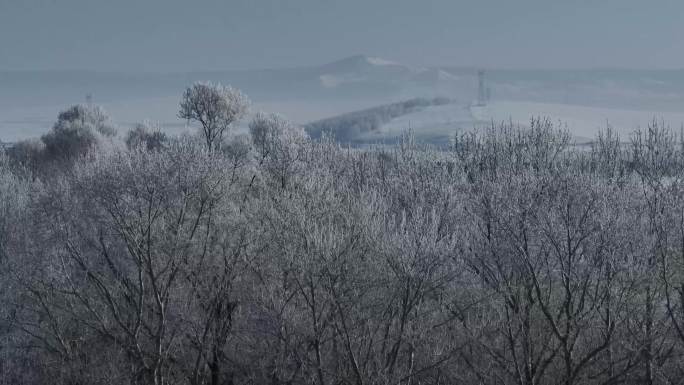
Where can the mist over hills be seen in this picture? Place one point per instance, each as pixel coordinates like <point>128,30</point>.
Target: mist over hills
<point>30,100</point>
<point>350,77</point>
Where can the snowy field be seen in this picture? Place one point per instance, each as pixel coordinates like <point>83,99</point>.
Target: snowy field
<point>25,122</point>
<point>583,100</point>
<point>438,123</point>
<point>581,121</point>
<point>433,124</point>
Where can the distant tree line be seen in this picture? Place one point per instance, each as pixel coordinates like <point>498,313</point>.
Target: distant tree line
<point>513,257</point>
<point>348,127</point>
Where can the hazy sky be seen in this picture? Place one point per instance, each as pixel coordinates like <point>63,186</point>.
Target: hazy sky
<point>178,35</point>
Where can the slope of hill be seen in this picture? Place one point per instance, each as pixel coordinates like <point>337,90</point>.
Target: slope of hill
<point>581,121</point>
<point>30,100</point>
<point>354,126</point>
<point>334,80</point>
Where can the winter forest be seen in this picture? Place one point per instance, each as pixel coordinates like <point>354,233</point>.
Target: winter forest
<point>510,256</point>
<point>341,192</point>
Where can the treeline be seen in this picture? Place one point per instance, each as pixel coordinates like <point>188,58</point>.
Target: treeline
<point>511,258</point>
<point>348,127</point>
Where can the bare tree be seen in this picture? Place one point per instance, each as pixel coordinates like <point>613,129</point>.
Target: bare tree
<point>278,143</point>
<point>215,108</point>
<point>123,273</point>
<point>512,258</point>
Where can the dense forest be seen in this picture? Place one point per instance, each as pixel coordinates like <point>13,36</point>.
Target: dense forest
<point>510,257</point>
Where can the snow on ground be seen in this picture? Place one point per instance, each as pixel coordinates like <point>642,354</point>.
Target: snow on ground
<point>581,121</point>
<point>381,62</point>
<point>431,123</point>
<point>435,124</point>
<point>21,123</point>
<point>439,123</point>
<point>25,122</point>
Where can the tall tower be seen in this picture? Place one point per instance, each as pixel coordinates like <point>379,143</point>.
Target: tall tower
<point>482,90</point>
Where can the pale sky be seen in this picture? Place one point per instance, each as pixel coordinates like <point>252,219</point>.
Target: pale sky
<point>186,35</point>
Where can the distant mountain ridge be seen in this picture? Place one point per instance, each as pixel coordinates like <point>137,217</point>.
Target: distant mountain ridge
<point>364,69</point>
<point>30,100</point>
<point>352,77</point>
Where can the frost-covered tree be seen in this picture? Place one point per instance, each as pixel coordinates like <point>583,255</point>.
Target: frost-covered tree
<point>13,198</point>
<point>147,136</point>
<point>215,107</point>
<point>27,154</point>
<point>511,258</point>
<point>278,143</point>
<point>151,281</point>
<point>77,130</point>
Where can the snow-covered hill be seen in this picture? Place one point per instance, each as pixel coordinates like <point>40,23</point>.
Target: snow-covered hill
<point>30,100</point>
<point>358,69</point>
<point>437,124</point>
<point>582,121</point>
